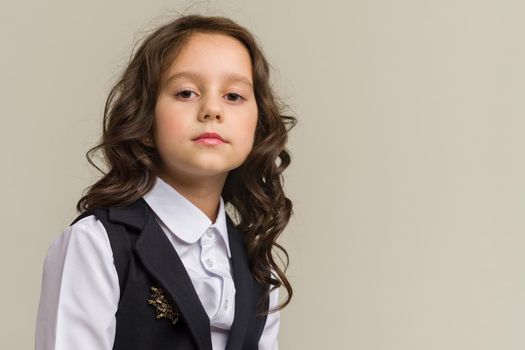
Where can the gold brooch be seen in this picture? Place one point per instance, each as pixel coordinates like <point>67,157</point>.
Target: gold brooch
<point>163,308</point>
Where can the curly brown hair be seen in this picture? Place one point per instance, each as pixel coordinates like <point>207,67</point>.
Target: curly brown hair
<point>254,189</point>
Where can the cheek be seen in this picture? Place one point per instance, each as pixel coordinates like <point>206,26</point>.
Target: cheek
<point>170,127</point>
<point>247,129</point>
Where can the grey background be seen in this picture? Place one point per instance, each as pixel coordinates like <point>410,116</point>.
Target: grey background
<point>407,173</point>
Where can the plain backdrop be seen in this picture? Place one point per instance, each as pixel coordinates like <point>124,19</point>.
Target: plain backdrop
<point>407,172</point>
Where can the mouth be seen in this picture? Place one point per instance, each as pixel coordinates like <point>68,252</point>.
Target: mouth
<point>209,138</point>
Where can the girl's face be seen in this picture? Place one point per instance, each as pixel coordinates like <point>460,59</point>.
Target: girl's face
<point>208,88</point>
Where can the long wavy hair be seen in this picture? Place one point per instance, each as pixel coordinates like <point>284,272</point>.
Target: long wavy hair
<point>254,190</point>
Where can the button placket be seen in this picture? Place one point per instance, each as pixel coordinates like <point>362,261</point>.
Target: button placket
<point>209,262</point>
<point>208,247</point>
<point>228,302</point>
<point>209,236</point>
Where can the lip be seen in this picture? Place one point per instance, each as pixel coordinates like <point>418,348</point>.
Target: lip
<point>210,137</point>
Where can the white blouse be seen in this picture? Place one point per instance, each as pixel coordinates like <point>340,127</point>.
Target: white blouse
<point>77,311</point>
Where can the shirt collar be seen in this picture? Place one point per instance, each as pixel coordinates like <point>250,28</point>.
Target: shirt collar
<point>181,216</point>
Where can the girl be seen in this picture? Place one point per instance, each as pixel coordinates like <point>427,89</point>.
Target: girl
<point>153,261</point>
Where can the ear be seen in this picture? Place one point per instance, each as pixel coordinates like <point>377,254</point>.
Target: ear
<point>148,142</point>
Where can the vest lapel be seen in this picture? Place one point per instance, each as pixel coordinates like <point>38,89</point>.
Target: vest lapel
<point>161,260</point>
<point>244,283</point>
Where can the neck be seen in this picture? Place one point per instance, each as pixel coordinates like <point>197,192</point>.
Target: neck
<point>204,193</point>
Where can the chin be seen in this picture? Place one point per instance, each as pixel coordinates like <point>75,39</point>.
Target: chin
<point>211,171</point>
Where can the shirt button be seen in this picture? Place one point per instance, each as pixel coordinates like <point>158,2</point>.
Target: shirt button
<point>210,232</point>
<point>226,304</point>
<point>209,262</point>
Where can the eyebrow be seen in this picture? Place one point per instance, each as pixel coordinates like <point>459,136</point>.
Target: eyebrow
<point>195,75</point>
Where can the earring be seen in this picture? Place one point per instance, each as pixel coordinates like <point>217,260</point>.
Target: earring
<point>148,140</point>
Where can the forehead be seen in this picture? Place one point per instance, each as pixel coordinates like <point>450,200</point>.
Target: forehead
<point>212,56</point>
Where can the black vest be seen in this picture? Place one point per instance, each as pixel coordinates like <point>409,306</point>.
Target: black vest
<point>144,258</point>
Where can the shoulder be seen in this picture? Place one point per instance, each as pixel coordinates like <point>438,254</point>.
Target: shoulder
<point>86,238</point>
<point>87,228</point>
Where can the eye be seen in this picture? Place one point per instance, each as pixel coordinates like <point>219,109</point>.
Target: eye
<point>184,94</point>
<point>235,96</point>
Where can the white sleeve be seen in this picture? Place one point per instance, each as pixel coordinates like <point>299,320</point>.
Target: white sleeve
<point>79,291</point>
<point>268,340</point>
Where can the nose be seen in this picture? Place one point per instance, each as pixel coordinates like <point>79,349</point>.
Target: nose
<point>211,109</point>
